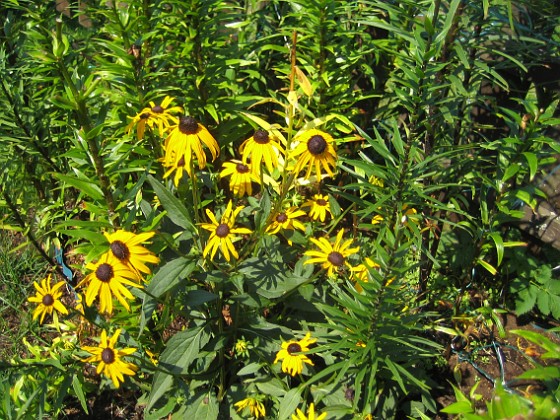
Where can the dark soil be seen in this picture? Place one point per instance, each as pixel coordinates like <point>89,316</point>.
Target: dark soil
<point>486,358</point>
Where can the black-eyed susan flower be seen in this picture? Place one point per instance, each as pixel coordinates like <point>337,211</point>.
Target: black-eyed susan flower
<point>108,277</point>
<point>110,359</point>
<point>127,248</point>
<point>286,220</point>
<point>319,207</point>
<point>331,256</point>
<point>223,233</point>
<point>290,354</point>
<point>256,407</point>
<point>185,141</point>
<point>311,415</point>
<point>314,151</point>
<point>261,147</point>
<point>154,115</point>
<point>241,179</point>
<point>177,167</point>
<point>48,299</point>
<point>361,272</point>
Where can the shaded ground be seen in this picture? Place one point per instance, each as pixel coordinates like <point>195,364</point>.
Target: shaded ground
<point>486,358</point>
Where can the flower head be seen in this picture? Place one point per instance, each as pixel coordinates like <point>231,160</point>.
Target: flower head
<point>241,347</point>
<point>127,248</point>
<point>361,272</point>
<point>315,150</point>
<point>110,358</point>
<point>108,277</point>
<point>286,220</point>
<point>256,408</point>
<point>159,115</point>
<point>186,139</point>
<point>261,147</point>
<point>241,177</point>
<point>223,232</point>
<point>290,354</point>
<point>332,256</point>
<point>47,298</point>
<point>319,206</point>
<point>310,414</point>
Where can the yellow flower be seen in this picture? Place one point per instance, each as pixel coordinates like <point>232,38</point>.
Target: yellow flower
<point>319,206</point>
<point>178,167</point>
<point>256,408</point>
<point>310,414</point>
<point>373,180</point>
<point>376,219</point>
<point>315,151</point>
<point>261,147</point>
<point>185,139</point>
<point>109,277</point>
<point>223,233</point>
<point>48,301</point>
<point>110,358</point>
<point>332,256</point>
<point>158,115</point>
<point>286,220</point>
<point>127,248</point>
<point>292,361</point>
<point>241,177</point>
<point>361,272</point>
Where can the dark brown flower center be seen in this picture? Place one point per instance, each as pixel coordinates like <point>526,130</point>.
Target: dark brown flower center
<point>282,218</point>
<point>120,250</point>
<point>48,300</point>
<point>321,202</point>
<point>157,109</point>
<point>316,145</point>
<point>108,355</point>
<point>261,137</point>
<point>222,230</point>
<point>181,161</point>
<point>188,125</point>
<point>242,169</point>
<point>294,348</point>
<point>145,115</point>
<point>104,272</point>
<point>336,258</point>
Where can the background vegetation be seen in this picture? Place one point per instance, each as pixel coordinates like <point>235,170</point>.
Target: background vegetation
<point>445,119</point>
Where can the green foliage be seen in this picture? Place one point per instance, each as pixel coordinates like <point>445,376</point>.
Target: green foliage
<point>442,133</point>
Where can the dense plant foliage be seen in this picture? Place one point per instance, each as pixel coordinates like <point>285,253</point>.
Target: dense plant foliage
<point>271,208</point>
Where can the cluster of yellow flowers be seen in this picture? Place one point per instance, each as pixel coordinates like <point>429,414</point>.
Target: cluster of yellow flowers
<point>124,264</point>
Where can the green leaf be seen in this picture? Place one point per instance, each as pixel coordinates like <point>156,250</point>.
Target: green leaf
<point>206,408</point>
<point>181,350</point>
<point>77,386</point>
<point>450,17</point>
<point>525,299</point>
<point>499,243</point>
<point>553,349</point>
<point>487,266</point>
<point>176,211</point>
<point>459,407</point>
<point>87,186</point>
<point>533,164</point>
<point>289,403</point>
<point>545,373</point>
<point>170,275</point>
